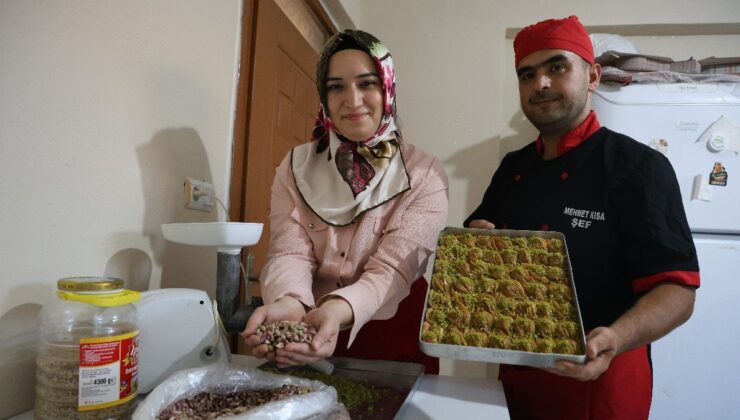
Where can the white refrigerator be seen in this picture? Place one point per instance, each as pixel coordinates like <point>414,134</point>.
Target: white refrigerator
<point>696,367</point>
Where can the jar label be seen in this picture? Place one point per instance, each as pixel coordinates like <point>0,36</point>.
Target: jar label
<point>108,369</point>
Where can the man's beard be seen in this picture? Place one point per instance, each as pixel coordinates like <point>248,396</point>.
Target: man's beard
<point>559,116</point>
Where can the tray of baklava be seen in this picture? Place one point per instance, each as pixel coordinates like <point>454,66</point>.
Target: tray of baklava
<point>503,296</point>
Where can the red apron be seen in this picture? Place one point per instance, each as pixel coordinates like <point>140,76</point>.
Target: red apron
<point>623,392</point>
<point>394,339</point>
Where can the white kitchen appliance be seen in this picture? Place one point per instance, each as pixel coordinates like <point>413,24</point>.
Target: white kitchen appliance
<point>696,371</point>
<point>178,329</point>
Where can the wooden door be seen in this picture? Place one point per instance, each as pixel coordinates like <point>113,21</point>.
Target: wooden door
<point>282,107</point>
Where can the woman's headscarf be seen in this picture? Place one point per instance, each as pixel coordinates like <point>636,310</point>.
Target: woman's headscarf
<point>338,178</point>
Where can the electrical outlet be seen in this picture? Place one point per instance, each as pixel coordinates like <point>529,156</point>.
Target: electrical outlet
<point>198,195</point>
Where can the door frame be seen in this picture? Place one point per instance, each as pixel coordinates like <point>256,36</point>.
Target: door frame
<point>243,111</point>
<point>242,114</point>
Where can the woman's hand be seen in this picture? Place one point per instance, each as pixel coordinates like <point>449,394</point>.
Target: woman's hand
<point>481,224</point>
<point>284,309</point>
<point>327,319</point>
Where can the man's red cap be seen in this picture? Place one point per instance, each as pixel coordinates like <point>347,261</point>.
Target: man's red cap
<point>562,34</point>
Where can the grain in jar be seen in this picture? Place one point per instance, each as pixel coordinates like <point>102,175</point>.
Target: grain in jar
<point>86,366</point>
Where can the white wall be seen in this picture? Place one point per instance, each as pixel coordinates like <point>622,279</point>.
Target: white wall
<point>457,91</point>
<point>105,108</point>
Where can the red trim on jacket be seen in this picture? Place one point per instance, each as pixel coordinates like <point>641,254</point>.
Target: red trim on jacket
<point>574,137</point>
<point>684,278</point>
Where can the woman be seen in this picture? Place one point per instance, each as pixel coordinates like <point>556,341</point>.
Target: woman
<point>355,215</point>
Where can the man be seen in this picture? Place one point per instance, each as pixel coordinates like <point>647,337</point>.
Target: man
<point>618,203</point>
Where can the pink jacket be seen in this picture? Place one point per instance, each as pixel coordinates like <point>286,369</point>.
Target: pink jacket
<point>371,263</point>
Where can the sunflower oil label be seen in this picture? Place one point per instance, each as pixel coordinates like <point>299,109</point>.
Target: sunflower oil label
<point>108,369</point>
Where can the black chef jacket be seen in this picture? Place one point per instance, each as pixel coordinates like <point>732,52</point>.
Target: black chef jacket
<point>619,206</point>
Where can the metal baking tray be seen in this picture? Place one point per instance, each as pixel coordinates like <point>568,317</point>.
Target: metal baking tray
<point>494,355</point>
<point>400,378</point>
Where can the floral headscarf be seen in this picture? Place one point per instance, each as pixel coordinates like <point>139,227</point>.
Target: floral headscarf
<point>338,178</point>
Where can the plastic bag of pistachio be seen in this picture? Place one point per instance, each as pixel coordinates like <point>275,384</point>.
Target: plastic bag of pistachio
<point>236,392</point>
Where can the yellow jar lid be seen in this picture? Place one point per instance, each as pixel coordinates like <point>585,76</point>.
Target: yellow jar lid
<point>119,298</point>
<point>90,284</point>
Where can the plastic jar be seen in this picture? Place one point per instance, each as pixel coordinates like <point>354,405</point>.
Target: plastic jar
<point>86,366</point>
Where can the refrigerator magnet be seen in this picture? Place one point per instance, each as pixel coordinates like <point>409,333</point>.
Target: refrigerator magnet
<point>718,176</point>
<point>701,191</point>
<point>660,145</point>
<point>716,142</point>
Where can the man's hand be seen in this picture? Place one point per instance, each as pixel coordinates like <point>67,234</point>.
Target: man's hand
<point>481,224</point>
<point>284,309</point>
<point>658,312</point>
<point>327,319</point>
<point>601,347</point>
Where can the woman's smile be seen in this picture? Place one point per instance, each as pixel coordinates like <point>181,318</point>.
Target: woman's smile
<point>355,116</point>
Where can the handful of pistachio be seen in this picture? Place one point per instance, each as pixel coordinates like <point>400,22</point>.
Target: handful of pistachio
<point>277,334</point>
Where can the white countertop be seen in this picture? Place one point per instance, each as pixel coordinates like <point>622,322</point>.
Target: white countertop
<point>449,397</point>
<point>434,398</point>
